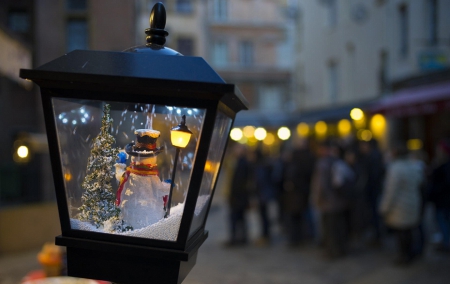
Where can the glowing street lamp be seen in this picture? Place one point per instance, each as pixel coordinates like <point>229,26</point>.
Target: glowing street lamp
<point>179,136</point>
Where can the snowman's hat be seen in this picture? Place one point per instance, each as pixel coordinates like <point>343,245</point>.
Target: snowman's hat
<point>145,145</point>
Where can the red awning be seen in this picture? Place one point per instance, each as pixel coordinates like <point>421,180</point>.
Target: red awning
<point>415,101</point>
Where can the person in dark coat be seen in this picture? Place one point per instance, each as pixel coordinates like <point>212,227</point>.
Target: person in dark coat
<point>329,190</point>
<point>372,165</point>
<point>296,191</point>
<point>265,192</point>
<point>439,193</point>
<point>238,197</point>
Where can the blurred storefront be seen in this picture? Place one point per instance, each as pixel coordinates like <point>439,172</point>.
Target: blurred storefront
<point>418,110</point>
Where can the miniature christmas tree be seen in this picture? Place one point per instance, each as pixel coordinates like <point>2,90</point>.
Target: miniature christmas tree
<point>99,198</point>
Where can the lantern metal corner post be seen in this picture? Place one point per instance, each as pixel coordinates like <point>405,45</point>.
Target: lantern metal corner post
<point>99,104</point>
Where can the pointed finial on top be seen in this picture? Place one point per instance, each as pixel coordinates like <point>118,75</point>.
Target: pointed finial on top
<point>156,33</point>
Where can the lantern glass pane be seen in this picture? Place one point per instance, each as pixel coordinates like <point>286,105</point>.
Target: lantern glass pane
<point>116,178</point>
<point>219,139</point>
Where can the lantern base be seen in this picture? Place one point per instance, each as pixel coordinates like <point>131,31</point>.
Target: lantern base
<point>117,263</point>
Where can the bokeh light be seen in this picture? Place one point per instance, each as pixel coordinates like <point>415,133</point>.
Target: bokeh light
<point>284,133</point>
<point>260,133</point>
<point>249,131</point>
<point>321,128</point>
<point>378,125</point>
<point>269,140</point>
<point>236,134</point>
<point>356,114</point>
<point>303,129</point>
<point>344,127</point>
<point>414,144</point>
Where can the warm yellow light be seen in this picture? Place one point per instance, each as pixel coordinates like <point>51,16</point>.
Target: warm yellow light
<point>302,129</point>
<point>344,127</point>
<point>180,138</point>
<point>252,141</point>
<point>356,114</point>
<point>414,144</point>
<point>321,128</point>
<point>210,167</point>
<point>284,133</point>
<point>22,152</point>
<point>260,133</point>
<point>236,134</point>
<point>249,131</point>
<point>67,176</point>
<point>378,125</point>
<point>364,134</point>
<point>269,140</point>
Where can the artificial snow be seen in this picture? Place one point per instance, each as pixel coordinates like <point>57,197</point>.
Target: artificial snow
<point>165,229</point>
<point>149,132</point>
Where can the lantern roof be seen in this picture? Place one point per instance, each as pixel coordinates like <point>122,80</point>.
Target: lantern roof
<point>136,70</point>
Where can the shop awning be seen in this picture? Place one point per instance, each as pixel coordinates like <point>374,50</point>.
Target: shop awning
<point>415,101</point>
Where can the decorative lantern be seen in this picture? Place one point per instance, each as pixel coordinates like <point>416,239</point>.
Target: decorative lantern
<point>131,135</point>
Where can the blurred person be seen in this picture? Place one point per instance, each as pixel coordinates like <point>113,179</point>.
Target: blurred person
<point>401,201</point>
<point>238,197</point>
<point>296,192</point>
<point>358,211</point>
<point>439,193</point>
<point>371,161</point>
<point>330,196</point>
<point>265,193</point>
<point>277,177</point>
<point>418,157</point>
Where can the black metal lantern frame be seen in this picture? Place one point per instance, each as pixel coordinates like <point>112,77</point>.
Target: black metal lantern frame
<point>93,78</point>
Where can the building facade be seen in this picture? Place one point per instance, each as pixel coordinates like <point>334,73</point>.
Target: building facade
<point>381,56</point>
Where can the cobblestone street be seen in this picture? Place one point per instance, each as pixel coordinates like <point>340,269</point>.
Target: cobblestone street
<point>278,264</point>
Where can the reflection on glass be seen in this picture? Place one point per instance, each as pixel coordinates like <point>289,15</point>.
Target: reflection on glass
<point>117,159</point>
<point>219,139</point>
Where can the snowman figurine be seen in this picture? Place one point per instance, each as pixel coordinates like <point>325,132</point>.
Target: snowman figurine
<point>141,195</point>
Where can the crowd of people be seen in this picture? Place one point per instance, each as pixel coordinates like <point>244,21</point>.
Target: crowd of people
<point>340,192</point>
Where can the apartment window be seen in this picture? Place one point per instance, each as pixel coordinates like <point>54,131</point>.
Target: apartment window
<point>383,75</point>
<point>19,21</point>
<point>333,81</point>
<point>433,21</point>
<point>220,9</point>
<point>76,5</point>
<point>246,52</point>
<point>185,46</point>
<point>270,98</point>
<point>404,30</point>
<point>76,34</point>
<point>220,53</point>
<point>184,6</point>
<point>351,70</point>
<point>332,13</point>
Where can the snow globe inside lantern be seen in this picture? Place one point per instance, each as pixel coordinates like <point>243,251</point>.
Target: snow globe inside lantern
<point>136,142</point>
<point>122,172</point>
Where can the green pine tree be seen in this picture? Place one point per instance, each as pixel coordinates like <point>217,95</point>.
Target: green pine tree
<point>99,197</point>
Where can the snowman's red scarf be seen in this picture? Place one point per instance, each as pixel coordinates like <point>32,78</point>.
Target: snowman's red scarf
<point>141,170</point>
